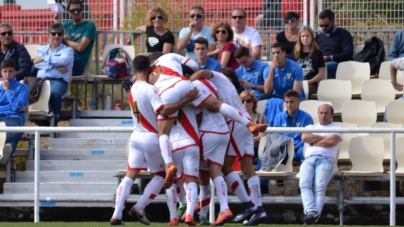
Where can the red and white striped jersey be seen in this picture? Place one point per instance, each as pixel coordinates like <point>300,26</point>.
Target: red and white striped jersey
<point>145,102</point>
<point>184,133</point>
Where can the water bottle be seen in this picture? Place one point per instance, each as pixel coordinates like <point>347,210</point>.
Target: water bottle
<point>108,103</point>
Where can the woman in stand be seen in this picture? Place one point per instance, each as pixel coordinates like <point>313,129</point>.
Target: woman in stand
<point>291,35</point>
<point>310,57</point>
<point>223,35</point>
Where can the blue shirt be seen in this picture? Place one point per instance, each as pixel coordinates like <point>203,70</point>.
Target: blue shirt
<point>206,33</point>
<point>284,78</point>
<point>61,56</point>
<point>397,46</point>
<point>300,119</point>
<point>255,75</point>
<point>211,64</point>
<point>13,100</point>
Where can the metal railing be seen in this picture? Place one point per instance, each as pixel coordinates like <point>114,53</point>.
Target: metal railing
<point>38,130</point>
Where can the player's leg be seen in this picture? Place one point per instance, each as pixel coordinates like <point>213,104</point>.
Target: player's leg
<point>204,193</point>
<point>190,164</point>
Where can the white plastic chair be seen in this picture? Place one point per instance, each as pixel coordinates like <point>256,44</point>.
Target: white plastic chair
<point>86,73</point>
<point>366,154</point>
<point>282,170</point>
<point>129,49</point>
<point>41,107</point>
<point>336,92</point>
<point>360,112</point>
<point>395,112</point>
<point>347,137</point>
<point>261,106</point>
<point>32,49</point>
<point>3,138</point>
<point>379,91</point>
<point>311,107</point>
<point>356,72</point>
<point>400,156</point>
<point>358,49</point>
<point>385,136</point>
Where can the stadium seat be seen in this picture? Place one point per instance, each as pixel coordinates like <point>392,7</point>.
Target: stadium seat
<point>400,156</point>
<point>3,138</point>
<point>356,72</point>
<point>261,106</point>
<point>129,49</point>
<point>358,49</point>
<point>336,92</point>
<point>41,107</point>
<point>344,145</point>
<point>384,74</point>
<point>311,107</point>
<point>379,91</point>
<point>282,170</point>
<point>395,110</point>
<point>360,112</point>
<point>385,136</point>
<point>86,73</point>
<point>32,49</point>
<point>366,154</point>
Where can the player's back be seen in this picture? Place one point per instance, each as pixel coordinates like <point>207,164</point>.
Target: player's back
<point>144,101</point>
<point>184,133</point>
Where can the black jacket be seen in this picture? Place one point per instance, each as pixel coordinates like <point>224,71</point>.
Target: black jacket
<point>373,52</point>
<point>35,88</point>
<point>20,55</point>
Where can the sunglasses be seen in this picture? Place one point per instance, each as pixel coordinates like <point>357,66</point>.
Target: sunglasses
<point>289,20</point>
<point>6,33</point>
<point>324,25</point>
<point>158,17</point>
<point>199,16</point>
<point>56,33</point>
<point>246,100</point>
<point>78,10</point>
<point>239,17</point>
<point>224,32</point>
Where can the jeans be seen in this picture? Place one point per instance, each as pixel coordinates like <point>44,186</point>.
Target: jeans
<point>317,169</point>
<point>385,110</point>
<point>12,137</point>
<point>331,69</point>
<point>78,67</point>
<point>299,155</point>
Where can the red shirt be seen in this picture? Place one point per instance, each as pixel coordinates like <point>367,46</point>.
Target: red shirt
<point>232,63</point>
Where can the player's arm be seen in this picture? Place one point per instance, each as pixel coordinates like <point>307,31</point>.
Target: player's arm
<point>169,109</point>
<point>201,74</point>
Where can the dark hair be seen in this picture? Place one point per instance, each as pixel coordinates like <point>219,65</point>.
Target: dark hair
<point>202,40</point>
<point>200,8</point>
<point>278,44</point>
<point>291,14</point>
<point>241,9</point>
<point>57,27</point>
<point>186,70</point>
<point>327,13</point>
<point>74,2</point>
<point>8,63</point>
<point>229,72</point>
<point>228,29</point>
<point>291,93</point>
<point>154,56</point>
<point>331,108</point>
<point>141,63</point>
<point>241,52</point>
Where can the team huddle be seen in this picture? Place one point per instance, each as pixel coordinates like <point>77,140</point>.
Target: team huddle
<point>189,125</point>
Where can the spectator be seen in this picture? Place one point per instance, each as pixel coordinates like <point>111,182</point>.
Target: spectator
<point>284,75</point>
<point>13,105</point>
<point>252,72</point>
<point>54,63</point>
<point>310,58</point>
<point>293,117</point>
<point>158,37</point>
<point>80,35</point>
<point>396,64</point>
<point>396,46</point>
<point>317,168</point>
<point>201,52</point>
<point>335,42</point>
<point>244,35</point>
<point>291,35</point>
<point>223,35</point>
<point>195,30</point>
<point>11,49</point>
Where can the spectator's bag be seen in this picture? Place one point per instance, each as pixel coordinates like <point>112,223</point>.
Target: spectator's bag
<point>117,64</point>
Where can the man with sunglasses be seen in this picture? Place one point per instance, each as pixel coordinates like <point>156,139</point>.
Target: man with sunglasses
<point>335,42</point>
<point>244,35</point>
<point>10,49</point>
<point>195,30</point>
<point>80,35</point>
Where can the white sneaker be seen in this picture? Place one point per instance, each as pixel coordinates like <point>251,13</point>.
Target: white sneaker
<point>6,154</point>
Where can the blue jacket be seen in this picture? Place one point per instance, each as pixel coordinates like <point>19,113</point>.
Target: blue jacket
<point>397,46</point>
<point>13,100</point>
<point>301,119</point>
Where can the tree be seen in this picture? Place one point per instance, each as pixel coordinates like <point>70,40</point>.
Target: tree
<point>9,2</point>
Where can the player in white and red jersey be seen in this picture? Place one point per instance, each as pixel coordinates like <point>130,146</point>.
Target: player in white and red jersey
<point>241,146</point>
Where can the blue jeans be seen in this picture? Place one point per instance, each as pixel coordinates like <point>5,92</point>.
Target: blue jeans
<point>385,110</point>
<point>12,137</point>
<point>78,67</point>
<point>317,169</point>
<point>299,155</point>
<point>331,69</point>
<point>58,89</point>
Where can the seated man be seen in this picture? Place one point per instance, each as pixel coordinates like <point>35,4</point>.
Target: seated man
<point>317,168</point>
<point>13,105</point>
<point>293,117</point>
<point>201,52</point>
<point>397,46</point>
<point>54,63</point>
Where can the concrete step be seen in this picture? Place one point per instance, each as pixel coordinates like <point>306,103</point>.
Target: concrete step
<point>78,165</point>
<point>102,122</point>
<point>67,176</point>
<point>87,141</point>
<point>74,146</point>
<point>89,154</point>
<point>83,135</point>
<point>61,188</point>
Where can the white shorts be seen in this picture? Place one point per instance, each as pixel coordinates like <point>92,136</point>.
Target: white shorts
<point>241,141</point>
<point>174,94</point>
<point>144,152</point>
<point>187,162</point>
<point>213,148</point>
